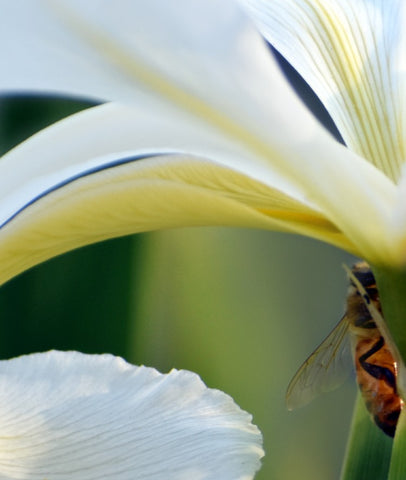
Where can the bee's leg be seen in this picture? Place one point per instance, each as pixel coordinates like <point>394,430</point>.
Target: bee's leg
<point>377,371</point>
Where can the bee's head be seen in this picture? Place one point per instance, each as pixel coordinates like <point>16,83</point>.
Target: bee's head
<point>364,274</point>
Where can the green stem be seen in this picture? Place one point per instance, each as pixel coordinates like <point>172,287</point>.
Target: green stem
<point>392,290</point>
<point>368,449</point>
<point>398,461</point>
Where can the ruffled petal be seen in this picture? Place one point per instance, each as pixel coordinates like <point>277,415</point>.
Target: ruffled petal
<point>351,52</point>
<point>71,416</point>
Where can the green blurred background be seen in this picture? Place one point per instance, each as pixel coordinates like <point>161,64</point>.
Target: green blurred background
<point>242,308</point>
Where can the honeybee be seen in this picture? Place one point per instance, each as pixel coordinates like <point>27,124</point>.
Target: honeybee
<point>375,365</point>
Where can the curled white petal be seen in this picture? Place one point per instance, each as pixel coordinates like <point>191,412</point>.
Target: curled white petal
<point>66,415</point>
<point>107,202</point>
<point>183,94</point>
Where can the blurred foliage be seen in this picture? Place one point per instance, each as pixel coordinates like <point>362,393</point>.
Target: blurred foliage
<point>244,309</point>
<point>80,300</point>
<point>369,450</point>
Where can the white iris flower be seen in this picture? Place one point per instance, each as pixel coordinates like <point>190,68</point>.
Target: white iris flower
<point>197,126</point>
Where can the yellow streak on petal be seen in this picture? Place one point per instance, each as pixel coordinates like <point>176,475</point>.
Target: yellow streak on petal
<point>361,93</point>
<point>349,66</point>
<point>312,225</point>
<point>300,217</point>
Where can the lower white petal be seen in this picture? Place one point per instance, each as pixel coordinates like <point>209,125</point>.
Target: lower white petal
<point>66,415</point>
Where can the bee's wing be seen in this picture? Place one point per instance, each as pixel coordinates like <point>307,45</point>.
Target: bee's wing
<point>326,368</point>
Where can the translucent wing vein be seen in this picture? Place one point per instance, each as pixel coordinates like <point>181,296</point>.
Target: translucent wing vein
<point>325,369</point>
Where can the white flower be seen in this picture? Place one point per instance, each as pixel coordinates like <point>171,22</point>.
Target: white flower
<point>66,415</point>
<point>203,128</point>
